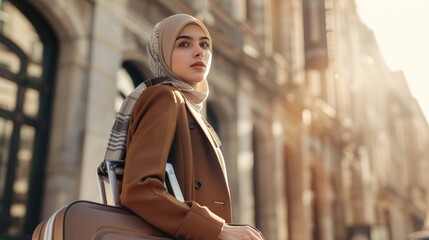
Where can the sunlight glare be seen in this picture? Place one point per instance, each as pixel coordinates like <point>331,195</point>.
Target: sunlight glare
<point>400,29</point>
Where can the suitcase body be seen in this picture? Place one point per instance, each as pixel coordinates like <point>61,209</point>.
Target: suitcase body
<point>82,220</point>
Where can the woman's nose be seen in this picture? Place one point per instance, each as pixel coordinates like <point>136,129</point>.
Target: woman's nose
<point>199,52</point>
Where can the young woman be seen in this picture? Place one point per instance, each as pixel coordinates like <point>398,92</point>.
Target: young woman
<point>166,126</point>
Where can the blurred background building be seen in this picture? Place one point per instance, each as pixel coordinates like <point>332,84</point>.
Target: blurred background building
<point>321,139</point>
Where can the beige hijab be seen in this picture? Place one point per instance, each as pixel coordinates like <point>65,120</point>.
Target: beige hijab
<point>160,49</point>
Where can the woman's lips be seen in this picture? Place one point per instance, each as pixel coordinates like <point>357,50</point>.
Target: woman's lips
<point>198,65</point>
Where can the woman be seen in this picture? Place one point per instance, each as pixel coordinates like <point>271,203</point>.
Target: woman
<point>166,126</point>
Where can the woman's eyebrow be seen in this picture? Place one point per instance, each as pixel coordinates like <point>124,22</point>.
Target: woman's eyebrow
<point>190,38</point>
<point>183,36</point>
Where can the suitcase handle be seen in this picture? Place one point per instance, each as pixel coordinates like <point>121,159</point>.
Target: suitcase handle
<point>112,171</point>
<point>173,183</point>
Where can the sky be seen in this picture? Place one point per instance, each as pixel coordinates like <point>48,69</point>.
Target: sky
<point>402,32</point>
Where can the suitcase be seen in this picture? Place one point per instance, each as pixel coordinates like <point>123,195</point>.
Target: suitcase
<point>82,220</point>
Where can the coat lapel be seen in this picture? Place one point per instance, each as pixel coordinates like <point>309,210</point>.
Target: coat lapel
<point>215,143</point>
<point>203,126</point>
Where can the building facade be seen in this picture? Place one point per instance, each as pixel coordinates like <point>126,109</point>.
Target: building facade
<point>321,139</point>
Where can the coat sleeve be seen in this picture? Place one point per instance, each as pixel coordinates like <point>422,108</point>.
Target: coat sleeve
<point>150,136</point>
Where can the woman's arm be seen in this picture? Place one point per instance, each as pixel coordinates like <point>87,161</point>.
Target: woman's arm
<point>151,133</point>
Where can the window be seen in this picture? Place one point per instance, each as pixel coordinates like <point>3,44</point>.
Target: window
<point>27,58</point>
<point>127,79</point>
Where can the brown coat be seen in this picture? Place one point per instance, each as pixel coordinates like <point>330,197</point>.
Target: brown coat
<point>163,128</point>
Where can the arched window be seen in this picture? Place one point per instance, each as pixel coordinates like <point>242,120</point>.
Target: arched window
<point>212,117</point>
<point>27,61</point>
<point>129,76</point>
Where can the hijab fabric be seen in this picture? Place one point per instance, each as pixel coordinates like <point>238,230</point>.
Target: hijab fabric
<point>160,49</point>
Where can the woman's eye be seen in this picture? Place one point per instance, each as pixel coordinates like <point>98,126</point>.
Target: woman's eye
<point>183,44</point>
<point>205,45</point>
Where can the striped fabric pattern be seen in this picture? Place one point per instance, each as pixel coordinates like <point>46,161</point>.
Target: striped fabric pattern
<point>119,132</point>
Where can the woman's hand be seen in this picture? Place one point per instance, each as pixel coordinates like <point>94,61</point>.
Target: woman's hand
<point>239,232</point>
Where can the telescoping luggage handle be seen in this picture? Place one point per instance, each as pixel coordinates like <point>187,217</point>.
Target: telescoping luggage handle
<point>112,171</point>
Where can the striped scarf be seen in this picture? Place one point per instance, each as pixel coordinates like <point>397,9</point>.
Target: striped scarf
<point>118,135</point>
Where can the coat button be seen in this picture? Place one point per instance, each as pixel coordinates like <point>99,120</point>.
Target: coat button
<point>181,237</point>
<point>198,185</point>
<point>192,125</point>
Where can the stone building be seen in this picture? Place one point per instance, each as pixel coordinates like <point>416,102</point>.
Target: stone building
<point>322,140</point>
<point>370,153</point>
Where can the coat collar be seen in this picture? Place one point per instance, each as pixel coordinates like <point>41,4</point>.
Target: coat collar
<point>211,135</point>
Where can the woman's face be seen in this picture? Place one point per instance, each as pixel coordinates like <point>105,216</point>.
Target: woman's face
<point>191,57</point>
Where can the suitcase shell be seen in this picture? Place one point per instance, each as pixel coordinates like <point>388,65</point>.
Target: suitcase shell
<point>89,220</point>
<point>82,220</point>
